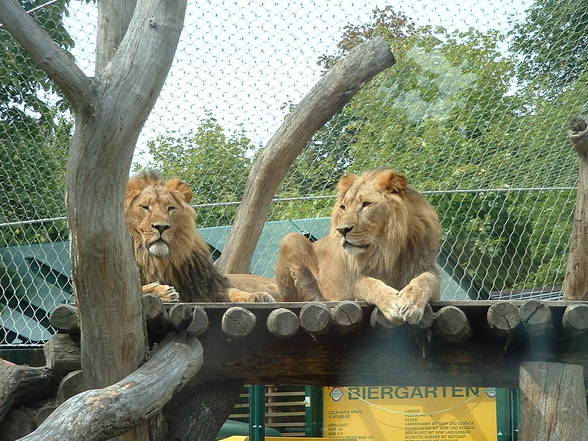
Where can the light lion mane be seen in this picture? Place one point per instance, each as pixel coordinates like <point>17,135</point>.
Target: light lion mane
<point>382,248</point>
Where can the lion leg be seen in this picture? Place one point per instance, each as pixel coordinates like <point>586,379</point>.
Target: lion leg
<point>296,269</point>
<point>377,293</point>
<point>404,306</point>
<point>236,295</point>
<point>414,297</point>
<point>167,293</point>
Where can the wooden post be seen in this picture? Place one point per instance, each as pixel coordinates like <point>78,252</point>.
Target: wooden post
<point>553,402</point>
<point>575,285</point>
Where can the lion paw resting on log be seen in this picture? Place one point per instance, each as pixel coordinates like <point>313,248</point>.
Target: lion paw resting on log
<point>382,249</point>
<point>170,253</point>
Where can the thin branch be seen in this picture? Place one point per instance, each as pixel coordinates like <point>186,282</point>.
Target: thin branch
<point>325,99</point>
<point>51,58</point>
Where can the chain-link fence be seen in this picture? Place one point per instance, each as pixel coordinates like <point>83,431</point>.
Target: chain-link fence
<point>475,113</point>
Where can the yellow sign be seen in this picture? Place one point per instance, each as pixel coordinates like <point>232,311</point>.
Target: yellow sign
<point>385,413</point>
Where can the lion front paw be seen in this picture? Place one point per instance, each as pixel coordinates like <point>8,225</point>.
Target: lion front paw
<point>263,297</point>
<point>411,307</point>
<point>402,307</point>
<point>390,308</point>
<point>167,293</point>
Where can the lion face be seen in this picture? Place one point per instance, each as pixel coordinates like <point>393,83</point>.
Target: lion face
<point>157,214</point>
<point>369,208</point>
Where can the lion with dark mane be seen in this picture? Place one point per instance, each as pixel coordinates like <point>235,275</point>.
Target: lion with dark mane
<point>174,261</point>
<point>382,249</point>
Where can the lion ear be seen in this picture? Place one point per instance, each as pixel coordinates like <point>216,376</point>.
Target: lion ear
<point>134,188</point>
<point>345,183</point>
<point>179,186</point>
<point>391,182</point>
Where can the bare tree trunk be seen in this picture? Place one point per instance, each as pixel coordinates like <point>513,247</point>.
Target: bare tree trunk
<point>326,98</point>
<point>134,57</point>
<point>576,281</point>
<point>199,411</point>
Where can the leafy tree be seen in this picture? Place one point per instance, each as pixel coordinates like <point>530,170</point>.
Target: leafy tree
<point>553,41</point>
<point>34,136</point>
<point>450,117</point>
<point>214,163</point>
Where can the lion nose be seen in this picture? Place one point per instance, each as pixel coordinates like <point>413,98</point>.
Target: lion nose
<point>344,230</point>
<point>160,227</point>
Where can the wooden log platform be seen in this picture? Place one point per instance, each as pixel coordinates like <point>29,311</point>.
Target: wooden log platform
<point>350,343</point>
<point>360,356</point>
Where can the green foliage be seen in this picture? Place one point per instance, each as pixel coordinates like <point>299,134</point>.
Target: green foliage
<point>34,136</point>
<point>554,43</point>
<point>451,116</point>
<point>215,165</point>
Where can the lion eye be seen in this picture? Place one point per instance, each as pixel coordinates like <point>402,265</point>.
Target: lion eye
<point>146,207</point>
<point>171,208</point>
<point>366,204</point>
<point>342,207</point>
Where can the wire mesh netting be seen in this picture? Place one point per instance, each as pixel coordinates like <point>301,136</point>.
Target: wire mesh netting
<point>475,113</point>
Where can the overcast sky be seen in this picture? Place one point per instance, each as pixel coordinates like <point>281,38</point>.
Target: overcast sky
<point>243,60</point>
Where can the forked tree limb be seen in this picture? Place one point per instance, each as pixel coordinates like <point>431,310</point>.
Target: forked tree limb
<point>325,99</point>
<point>59,66</point>
<point>101,414</point>
<point>576,280</point>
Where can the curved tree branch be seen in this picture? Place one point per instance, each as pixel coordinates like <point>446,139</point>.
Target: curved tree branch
<point>49,56</point>
<point>101,414</point>
<point>326,98</point>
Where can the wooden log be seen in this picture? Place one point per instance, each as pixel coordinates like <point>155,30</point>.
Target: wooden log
<point>100,414</point>
<point>381,324</point>
<point>62,354</point>
<point>553,402</point>
<point>452,325</point>
<point>65,318</point>
<point>575,286</point>
<point>347,317</point>
<point>575,320</point>
<point>198,323</point>
<point>238,322</point>
<point>536,318</point>
<point>156,316</point>
<point>72,384</point>
<point>180,316</point>
<point>20,384</point>
<point>503,318</point>
<point>283,323</point>
<point>327,96</point>
<point>315,318</point>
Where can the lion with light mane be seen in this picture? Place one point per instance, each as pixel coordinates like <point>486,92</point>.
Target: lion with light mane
<point>174,261</point>
<point>382,248</point>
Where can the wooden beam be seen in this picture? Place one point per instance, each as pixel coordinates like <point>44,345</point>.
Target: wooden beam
<point>553,402</point>
<point>408,355</point>
<point>359,358</point>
